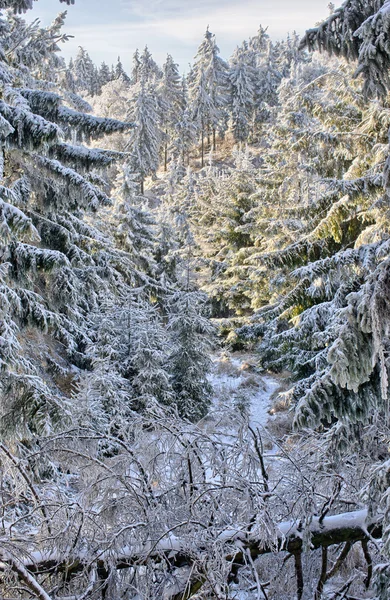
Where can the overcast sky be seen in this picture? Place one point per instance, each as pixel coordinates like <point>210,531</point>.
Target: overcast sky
<point>112,28</point>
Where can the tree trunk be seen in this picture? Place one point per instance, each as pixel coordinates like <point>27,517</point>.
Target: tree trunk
<point>166,152</point>
<point>299,573</point>
<point>214,140</point>
<point>202,164</point>
<point>334,530</point>
<point>142,186</point>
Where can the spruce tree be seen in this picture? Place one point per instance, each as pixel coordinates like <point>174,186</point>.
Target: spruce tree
<point>135,71</point>
<point>171,102</point>
<point>241,78</point>
<point>104,74</point>
<point>209,90</point>
<point>84,72</point>
<point>189,361</point>
<point>120,72</point>
<point>149,71</point>
<point>55,265</point>
<point>146,137</point>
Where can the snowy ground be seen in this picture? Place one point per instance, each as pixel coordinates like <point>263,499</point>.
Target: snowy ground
<point>237,383</point>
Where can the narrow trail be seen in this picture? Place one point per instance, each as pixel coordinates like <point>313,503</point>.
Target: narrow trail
<point>237,383</point>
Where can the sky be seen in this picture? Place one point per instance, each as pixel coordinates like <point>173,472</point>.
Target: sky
<point>112,28</point>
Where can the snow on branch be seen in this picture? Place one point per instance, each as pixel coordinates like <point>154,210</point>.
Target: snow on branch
<point>80,156</point>
<point>86,193</point>
<point>358,31</point>
<point>21,6</point>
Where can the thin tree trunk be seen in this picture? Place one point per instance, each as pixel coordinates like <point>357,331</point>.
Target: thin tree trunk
<point>166,153</point>
<point>299,573</point>
<point>214,140</point>
<point>323,575</point>
<point>142,186</point>
<point>202,146</point>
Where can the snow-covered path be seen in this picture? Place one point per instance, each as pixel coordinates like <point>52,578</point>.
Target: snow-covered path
<point>237,383</point>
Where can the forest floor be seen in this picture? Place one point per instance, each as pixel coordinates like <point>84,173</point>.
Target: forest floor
<point>240,386</point>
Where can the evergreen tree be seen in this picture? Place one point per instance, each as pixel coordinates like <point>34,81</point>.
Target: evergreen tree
<point>113,102</point>
<point>171,102</point>
<point>189,361</point>
<point>135,71</point>
<point>120,72</point>
<point>68,81</point>
<point>84,72</point>
<point>242,95</point>
<point>149,71</point>
<point>222,217</point>
<point>136,230</point>
<point>209,89</point>
<point>55,265</point>
<point>145,139</point>
<point>131,349</point>
<point>104,74</point>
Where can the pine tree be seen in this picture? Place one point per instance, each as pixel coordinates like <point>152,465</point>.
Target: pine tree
<point>84,72</point>
<point>241,77</point>
<point>135,71</point>
<point>104,74</point>
<point>55,265</point>
<point>120,72</point>
<point>145,139</point>
<point>171,102</point>
<point>149,71</point>
<point>189,362</point>
<point>209,89</point>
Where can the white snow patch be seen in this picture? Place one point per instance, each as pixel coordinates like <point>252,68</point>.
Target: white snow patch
<point>261,401</point>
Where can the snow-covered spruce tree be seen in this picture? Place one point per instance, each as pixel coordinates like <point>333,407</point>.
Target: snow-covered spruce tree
<point>129,358</point>
<point>356,366</point>
<point>135,70</point>
<point>145,139</point>
<point>84,73</point>
<point>315,137</point>
<point>189,361</point>
<point>267,81</point>
<point>149,71</point>
<point>185,131</point>
<point>55,265</point>
<point>171,100</point>
<point>131,223</point>
<point>113,103</point>
<point>209,91</point>
<point>201,108</point>
<point>104,74</point>
<point>242,90</point>
<point>120,73</point>
<point>222,224</point>
<point>358,31</point>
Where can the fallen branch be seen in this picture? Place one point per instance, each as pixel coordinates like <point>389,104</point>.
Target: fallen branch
<point>345,528</point>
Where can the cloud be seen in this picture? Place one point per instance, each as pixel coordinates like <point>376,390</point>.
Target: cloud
<point>177,26</point>
<point>157,9</point>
